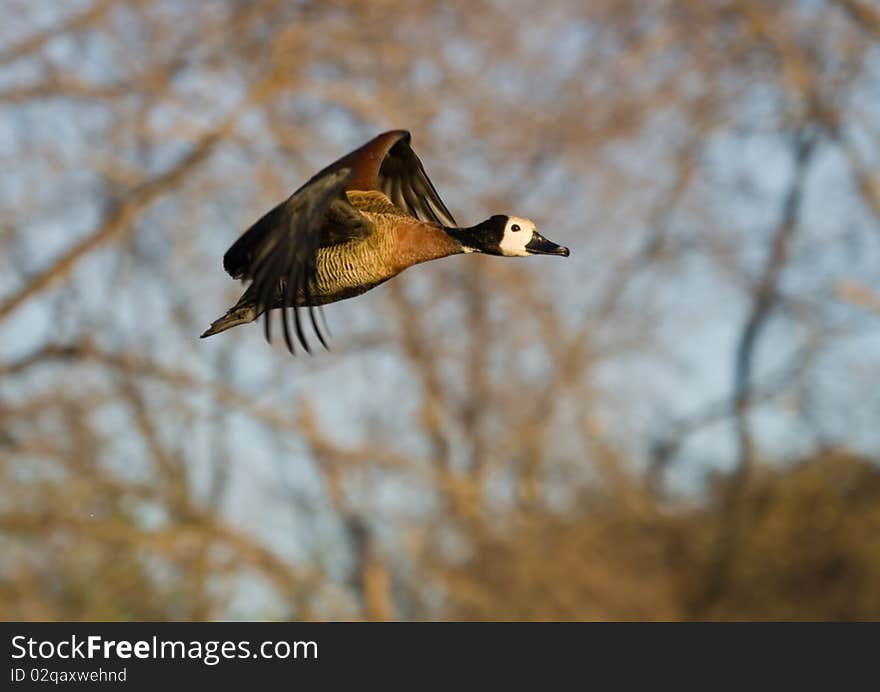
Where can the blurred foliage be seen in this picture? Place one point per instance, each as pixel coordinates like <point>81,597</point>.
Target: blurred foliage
<point>812,552</point>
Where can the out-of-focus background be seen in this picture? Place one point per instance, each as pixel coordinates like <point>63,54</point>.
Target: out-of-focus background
<point>680,421</point>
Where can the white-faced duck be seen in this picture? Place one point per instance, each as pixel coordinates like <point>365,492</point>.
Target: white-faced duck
<point>355,224</point>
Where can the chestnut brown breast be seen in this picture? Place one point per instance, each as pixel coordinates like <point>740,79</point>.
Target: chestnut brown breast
<point>396,243</point>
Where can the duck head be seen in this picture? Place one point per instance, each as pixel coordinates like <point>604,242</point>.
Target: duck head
<point>508,236</point>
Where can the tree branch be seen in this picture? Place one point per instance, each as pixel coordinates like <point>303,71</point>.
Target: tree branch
<point>118,219</point>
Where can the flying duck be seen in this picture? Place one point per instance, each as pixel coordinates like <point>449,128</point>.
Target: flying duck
<point>357,223</point>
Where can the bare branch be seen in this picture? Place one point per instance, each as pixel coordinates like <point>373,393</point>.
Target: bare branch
<point>117,221</point>
<point>764,298</point>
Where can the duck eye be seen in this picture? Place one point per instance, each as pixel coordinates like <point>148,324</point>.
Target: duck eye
<point>515,227</point>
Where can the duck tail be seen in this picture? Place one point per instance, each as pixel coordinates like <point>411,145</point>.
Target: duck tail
<point>239,314</point>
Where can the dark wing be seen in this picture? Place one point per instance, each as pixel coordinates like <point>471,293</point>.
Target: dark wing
<point>402,177</point>
<point>279,252</point>
<point>387,163</point>
<point>239,259</point>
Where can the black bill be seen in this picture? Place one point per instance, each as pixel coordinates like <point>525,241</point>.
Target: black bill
<point>539,245</point>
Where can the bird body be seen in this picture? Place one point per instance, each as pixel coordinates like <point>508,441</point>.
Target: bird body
<point>354,225</point>
<point>398,241</point>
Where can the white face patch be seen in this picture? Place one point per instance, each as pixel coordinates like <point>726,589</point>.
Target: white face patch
<point>517,234</point>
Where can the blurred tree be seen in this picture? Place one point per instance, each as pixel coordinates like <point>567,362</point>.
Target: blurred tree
<point>488,439</point>
<point>811,552</point>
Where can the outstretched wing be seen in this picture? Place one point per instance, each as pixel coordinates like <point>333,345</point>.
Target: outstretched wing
<point>402,177</point>
<point>388,163</point>
<point>324,193</point>
<point>279,252</point>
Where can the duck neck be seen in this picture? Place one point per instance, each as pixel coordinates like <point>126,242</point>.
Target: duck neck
<point>467,237</point>
<point>419,242</point>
